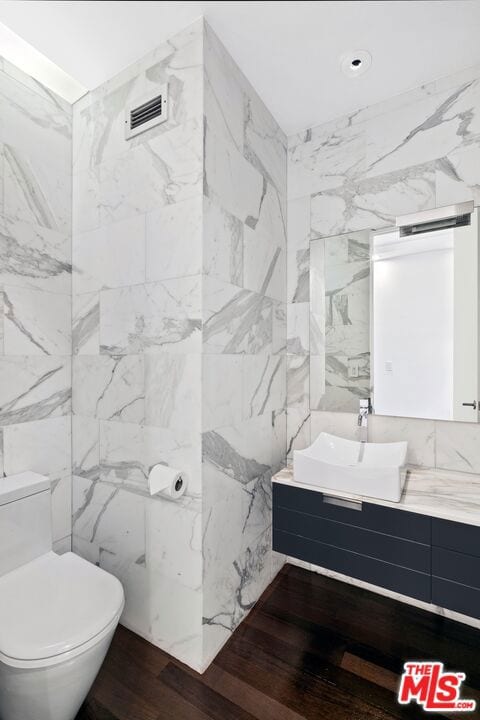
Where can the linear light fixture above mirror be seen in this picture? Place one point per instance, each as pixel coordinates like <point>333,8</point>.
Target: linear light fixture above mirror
<point>435,219</point>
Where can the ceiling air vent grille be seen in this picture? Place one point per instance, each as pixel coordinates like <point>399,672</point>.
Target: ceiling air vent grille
<point>143,115</point>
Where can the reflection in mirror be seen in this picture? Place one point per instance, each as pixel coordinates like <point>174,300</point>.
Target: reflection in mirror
<point>394,316</point>
<point>340,322</point>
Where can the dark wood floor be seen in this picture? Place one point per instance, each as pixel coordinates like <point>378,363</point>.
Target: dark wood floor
<point>312,648</point>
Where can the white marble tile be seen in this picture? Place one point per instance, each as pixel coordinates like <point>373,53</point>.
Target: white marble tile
<point>36,322</point>
<point>61,490</point>
<point>42,446</point>
<point>223,92</point>
<point>327,160</point>
<point>317,278</point>
<point>109,257</point>
<point>420,435</point>
<point>165,170</point>
<point>86,324</point>
<point>86,447</point>
<point>423,131</point>
<point>234,592</point>
<point>264,142</point>
<point>129,450</point>
<point>122,454</point>
<point>457,446</point>
<point>317,377</point>
<point>173,393</point>
<point>99,123</point>
<point>112,518</point>
<point>264,265</point>
<point>235,320</point>
<point>240,452</point>
<point>279,327</point>
<point>109,388</point>
<point>174,240</point>
<point>174,542</point>
<point>271,221</point>
<point>222,390</point>
<point>342,424</point>
<point>40,125</point>
<point>298,380</point>
<point>298,278</point>
<point>34,257</point>
<point>231,181</point>
<point>34,388</point>
<point>298,223</point>
<point>1,323</point>
<point>298,429</point>
<point>264,384</point>
<point>457,177</point>
<point>174,613</point>
<point>373,203</point>
<point>86,200</point>
<point>36,194</point>
<point>298,328</point>
<point>224,509</point>
<point>223,244</point>
<point>279,438</point>
<point>152,318</point>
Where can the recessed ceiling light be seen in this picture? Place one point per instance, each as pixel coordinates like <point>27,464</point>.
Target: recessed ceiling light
<point>355,63</point>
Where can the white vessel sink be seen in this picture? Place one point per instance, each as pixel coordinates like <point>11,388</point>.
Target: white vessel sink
<point>376,470</point>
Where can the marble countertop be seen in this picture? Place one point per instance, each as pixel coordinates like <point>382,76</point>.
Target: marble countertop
<point>443,494</point>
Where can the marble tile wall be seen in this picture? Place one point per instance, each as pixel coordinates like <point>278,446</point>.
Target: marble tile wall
<point>35,287</point>
<point>137,341</point>
<point>413,152</point>
<point>179,339</point>
<point>244,342</point>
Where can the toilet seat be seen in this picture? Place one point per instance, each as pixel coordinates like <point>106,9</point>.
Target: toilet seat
<point>55,608</point>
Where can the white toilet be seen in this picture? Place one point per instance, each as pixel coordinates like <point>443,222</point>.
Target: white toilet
<point>57,613</point>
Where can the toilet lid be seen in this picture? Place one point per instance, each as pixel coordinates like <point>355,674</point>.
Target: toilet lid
<point>54,604</point>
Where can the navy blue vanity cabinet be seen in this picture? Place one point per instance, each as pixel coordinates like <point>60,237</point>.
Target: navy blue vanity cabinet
<point>379,545</point>
<point>456,566</point>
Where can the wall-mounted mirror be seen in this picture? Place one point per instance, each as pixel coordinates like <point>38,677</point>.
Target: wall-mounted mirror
<point>395,317</point>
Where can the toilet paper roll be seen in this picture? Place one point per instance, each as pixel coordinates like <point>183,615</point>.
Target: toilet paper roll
<point>167,481</point>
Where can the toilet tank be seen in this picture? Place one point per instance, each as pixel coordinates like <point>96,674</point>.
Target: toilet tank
<point>25,519</point>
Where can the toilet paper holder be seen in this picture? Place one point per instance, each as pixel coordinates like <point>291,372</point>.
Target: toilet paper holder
<point>166,481</point>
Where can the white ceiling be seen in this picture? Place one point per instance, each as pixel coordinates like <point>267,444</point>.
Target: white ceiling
<point>289,50</point>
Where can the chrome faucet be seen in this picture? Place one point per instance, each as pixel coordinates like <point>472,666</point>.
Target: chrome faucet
<point>363,413</point>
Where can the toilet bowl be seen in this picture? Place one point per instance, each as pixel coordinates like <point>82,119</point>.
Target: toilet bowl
<point>58,613</point>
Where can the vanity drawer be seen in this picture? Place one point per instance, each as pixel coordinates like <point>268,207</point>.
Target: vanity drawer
<point>456,536</point>
<point>394,550</point>
<point>454,596</point>
<point>389,521</point>
<point>458,567</point>
<point>391,577</point>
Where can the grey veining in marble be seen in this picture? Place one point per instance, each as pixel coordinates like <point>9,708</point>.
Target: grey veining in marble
<point>220,453</point>
<point>34,257</point>
<point>35,287</point>
<point>373,202</point>
<point>86,323</point>
<point>33,389</point>
<point>235,320</point>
